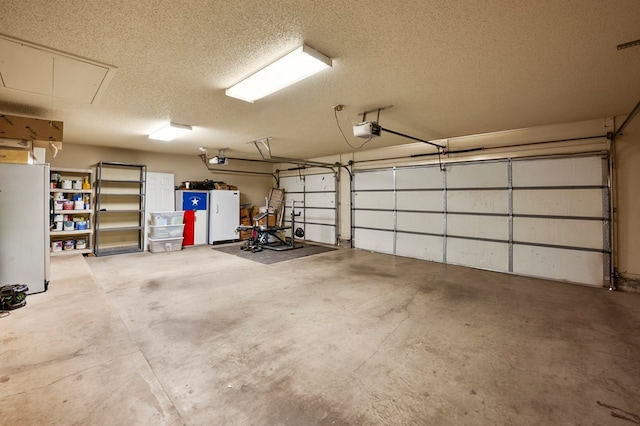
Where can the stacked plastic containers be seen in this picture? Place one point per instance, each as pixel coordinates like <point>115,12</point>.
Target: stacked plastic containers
<point>166,232</point>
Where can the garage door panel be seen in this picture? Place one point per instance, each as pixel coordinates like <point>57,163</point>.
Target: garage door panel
<point>425,247</point>
<point>481,175</point>
<point>287,214</point>
<point>292,184</point>
<point>297,197</point>
<point>577,171</point>
<point>430,223</point>
<point>321,182</point>
<point>373,200</point>
<point>558,202</point>
<point>419,178</point>
<point>562,232</point>
<point>374,219</point>
<point>559,264</point>
<point>320,199</point>
<point>478,201</point>
<point>419,200</point>
<point>382,179</point>
<point>478,254</point>
<point>320,233</point>
<point>320,216</point>
<point>315,198</point>
<point>503,215</point>
<point>490,227</point>
<point>377,241</point>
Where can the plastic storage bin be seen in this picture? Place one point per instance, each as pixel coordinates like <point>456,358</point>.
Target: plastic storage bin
<point>167,218</point>
<point>165,245</point>
<point>165,231</point>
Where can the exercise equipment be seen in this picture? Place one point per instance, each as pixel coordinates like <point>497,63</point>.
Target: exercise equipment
<point>268,237</point>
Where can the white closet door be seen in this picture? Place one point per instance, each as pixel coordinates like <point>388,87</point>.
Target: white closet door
<point>160,197</point>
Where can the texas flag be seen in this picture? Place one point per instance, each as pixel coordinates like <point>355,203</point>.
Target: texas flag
<point>194,200</point>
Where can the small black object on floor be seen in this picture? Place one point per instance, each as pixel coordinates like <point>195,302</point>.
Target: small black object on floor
<point>271,256</point>
<point>13,296</point>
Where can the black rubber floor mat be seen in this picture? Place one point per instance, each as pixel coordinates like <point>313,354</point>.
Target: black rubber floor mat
<point>271,256</point>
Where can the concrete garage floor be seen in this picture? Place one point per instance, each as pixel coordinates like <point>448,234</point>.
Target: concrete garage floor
<point>201,337</point>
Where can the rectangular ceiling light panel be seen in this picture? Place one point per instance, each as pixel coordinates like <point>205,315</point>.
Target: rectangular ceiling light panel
<point>170,131</point>
<point>38,69</point>
<point>291,68</point>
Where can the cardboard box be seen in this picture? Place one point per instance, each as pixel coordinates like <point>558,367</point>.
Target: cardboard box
<point>15,127</point>
<point>259,210</point>
<point>245,235</point>
<point>245,219</point>
<point>272,221</point>
<point>16,156</point>
<point>255,211</point>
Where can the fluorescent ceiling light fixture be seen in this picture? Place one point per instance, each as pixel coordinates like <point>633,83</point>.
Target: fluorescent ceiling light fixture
<point>170,132</point>
<point>291,68</point>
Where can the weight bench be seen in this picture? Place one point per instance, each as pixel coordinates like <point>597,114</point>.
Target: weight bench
<point>269,237</point>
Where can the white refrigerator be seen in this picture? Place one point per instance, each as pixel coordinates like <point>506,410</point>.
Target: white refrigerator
<point>24,225</point>
<point>224,215</point>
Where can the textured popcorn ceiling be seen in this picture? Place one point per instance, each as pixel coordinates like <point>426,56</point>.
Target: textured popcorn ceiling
<point>450,68</point>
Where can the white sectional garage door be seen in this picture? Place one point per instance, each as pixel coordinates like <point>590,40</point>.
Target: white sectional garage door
<point>315,197</point>
<point>543,217</point>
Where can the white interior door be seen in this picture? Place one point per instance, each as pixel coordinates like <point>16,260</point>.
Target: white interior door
<point>160,198</point>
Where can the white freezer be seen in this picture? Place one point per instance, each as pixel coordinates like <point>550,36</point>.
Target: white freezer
<point>224,215</point>
<point>24,225</point>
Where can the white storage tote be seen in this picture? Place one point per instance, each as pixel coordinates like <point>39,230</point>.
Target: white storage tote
<point>165,245</point>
